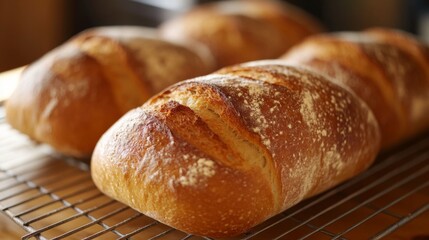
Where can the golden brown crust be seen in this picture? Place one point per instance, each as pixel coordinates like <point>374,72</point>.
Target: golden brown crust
<point>219,154</point>
<point>325,116</point>
<point>390,80</point>
<point>417,56</point>
<point>402,40</point>
<point>65,106</point>
<point>70,96</point>
<point>172,181</point>
<point>240,31</point>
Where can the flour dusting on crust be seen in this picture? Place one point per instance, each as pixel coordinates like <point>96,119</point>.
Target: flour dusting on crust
<point>202,169</point>
<point>307,109</point>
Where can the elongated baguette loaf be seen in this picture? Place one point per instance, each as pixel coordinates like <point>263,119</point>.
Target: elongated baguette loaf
<point>218,154</point>
<point>73,94</point>
<point>388,69</point>
<point>242,30</point>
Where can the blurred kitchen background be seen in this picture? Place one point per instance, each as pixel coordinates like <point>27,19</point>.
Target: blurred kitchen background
<point>28,29</point>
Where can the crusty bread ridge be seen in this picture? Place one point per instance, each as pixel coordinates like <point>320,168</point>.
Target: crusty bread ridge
<point>388,69</point>
<point>219,154</point>
<point>73,94</point>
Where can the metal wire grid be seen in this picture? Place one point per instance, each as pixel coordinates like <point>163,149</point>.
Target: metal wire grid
<point>53,197</point>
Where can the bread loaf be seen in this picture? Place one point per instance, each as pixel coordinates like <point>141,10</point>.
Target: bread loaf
<point>218,154</point>
<point>388,69</point>
<point>242,30</point>
<point>73,94</point>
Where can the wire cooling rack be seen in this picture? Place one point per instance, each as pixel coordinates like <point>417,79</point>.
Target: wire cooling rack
<point>53,197</point>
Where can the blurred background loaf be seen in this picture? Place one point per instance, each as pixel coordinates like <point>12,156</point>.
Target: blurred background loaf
<point>74,93</point>
<point>242,30</point>
<point>48,23</point>
<point>388,69</point>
